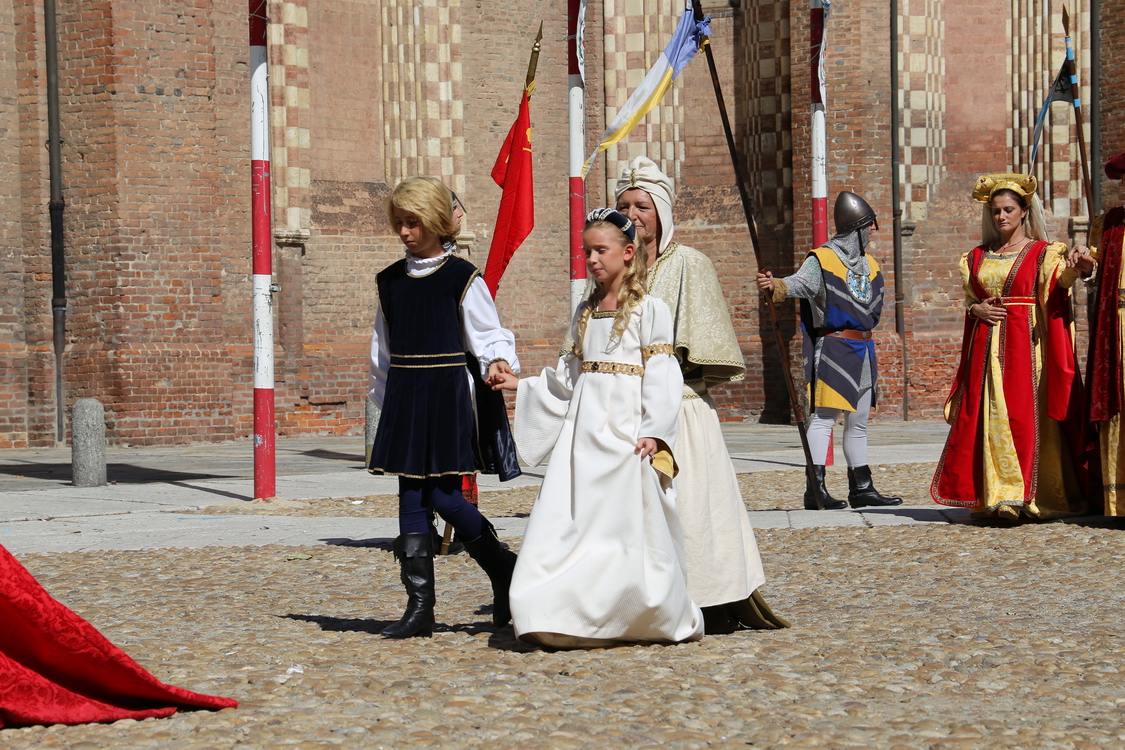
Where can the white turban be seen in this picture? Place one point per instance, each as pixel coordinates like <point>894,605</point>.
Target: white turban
<point>643,173</point>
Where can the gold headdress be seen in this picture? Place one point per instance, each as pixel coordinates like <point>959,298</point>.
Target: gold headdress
<point>988,184</point>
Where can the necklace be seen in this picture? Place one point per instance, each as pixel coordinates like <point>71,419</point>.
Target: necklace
<point>1003,248</point>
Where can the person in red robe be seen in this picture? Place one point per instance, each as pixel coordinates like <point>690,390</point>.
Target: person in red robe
<point>56,668</point>
<point>1016,445</point>
<point>1104,363</point>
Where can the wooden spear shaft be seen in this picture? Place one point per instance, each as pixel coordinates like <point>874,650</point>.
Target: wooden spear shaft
<point>751,224</point>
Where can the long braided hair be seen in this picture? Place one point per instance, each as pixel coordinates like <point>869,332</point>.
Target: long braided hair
<point>632,284</point>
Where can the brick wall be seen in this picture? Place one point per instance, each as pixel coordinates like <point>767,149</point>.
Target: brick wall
<point>156,127</point>
<point>1112,97</point>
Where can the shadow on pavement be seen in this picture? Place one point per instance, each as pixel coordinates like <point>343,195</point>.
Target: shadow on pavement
<point>335,456</point>
<point>224,493</point>
<point>119,473</point>
<point>934,514</point>
<point>383,543</point>
<point>343,624</point>
<point>365,625</point>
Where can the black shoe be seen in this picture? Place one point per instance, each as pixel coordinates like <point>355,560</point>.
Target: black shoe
<point>862,493</point>
<point>816,494</point>
<point>717,621</point>
<point>415,554</point>
<point>498,563</point>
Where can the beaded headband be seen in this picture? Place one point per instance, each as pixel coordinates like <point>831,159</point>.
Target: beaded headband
<point>618,220</point>
<point>988,184</point>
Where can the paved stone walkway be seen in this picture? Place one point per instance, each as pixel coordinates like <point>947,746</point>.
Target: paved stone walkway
<point>912,627</point>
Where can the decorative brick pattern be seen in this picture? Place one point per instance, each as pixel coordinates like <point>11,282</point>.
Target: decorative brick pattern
<point>422,70</point>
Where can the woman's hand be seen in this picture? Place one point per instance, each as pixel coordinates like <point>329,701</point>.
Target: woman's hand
<point>501,377</point>
<point>646,447</point>
<point>765,281</point>
<point>1080,259</point>
<point>991,311</point>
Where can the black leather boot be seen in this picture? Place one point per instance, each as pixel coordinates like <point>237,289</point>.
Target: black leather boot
<point>415,554</point>
<point>816,494</point>
<point>498,563</point>
<point>862,493</point>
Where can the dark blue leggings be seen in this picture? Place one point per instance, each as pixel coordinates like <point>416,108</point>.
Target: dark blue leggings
<point>442,495</point>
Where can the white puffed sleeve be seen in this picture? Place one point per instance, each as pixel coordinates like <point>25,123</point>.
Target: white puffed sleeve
<point>484,336</point>
<point>662,385</point>
<point>380,360</point>
<point>542,403</point>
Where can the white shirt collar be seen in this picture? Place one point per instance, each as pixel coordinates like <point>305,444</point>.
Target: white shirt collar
<point>422,266</point>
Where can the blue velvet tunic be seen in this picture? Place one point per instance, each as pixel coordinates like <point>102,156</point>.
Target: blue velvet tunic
<point>427,427</point>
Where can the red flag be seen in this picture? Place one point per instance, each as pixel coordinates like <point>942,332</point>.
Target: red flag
<point>516,217</point>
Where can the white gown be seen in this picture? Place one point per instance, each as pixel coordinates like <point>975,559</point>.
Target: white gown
<point>602,558</point>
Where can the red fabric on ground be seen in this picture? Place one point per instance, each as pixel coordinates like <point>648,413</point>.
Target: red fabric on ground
<point>56,668</point>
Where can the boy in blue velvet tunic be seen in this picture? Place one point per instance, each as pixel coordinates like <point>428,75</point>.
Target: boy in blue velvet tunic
<point>434,310</point>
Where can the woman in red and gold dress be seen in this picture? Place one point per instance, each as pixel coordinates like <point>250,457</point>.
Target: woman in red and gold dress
<point>1016,445</point>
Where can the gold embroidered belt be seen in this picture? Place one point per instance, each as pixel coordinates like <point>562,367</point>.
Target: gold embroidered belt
<point>1017,300</point>
<point>623,368</point>
<point>426,361</point>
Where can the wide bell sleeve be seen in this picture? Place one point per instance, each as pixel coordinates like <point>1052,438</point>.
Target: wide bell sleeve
<point>541,406</point>
<point>662,385</point>
<point>485,338</point>
<point>1060,368</point>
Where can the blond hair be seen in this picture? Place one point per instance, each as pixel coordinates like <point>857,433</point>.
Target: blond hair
<point>428,199</point>
<point>631,293</point>
<point>1034,224</point>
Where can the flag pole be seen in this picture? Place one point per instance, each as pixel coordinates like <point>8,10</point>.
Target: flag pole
<point>577,143</point>
<point>265,459</point>
<point>818,16</point>
<point>1076,94</point>
<point>744,193</point>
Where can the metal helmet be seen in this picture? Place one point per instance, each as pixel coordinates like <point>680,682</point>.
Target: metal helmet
<point>852,213</point>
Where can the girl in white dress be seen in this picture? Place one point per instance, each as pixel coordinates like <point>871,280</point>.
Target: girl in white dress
<point>602,559</point>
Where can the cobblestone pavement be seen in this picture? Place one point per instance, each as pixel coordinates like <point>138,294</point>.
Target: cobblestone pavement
<point>929,636</point>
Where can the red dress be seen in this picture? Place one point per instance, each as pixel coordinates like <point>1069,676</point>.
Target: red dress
<point>1016,443</point>
<point>56,668</point>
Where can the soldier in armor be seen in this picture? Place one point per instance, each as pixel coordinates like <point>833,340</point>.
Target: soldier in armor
<point>841,293</point>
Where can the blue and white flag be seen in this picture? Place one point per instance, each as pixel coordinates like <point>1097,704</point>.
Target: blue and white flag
<point>1059,92</point>
<point>686,41</point>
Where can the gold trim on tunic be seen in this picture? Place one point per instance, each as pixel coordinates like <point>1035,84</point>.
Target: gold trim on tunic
<point>624,368</point>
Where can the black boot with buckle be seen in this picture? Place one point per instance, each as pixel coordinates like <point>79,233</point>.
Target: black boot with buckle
<point>862,493</point>
<point>498,562</point>
<point>816,494</point>
<point>415,554</point>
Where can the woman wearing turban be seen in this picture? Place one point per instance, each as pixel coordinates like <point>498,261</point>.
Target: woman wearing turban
<point>724,570</point>
<point>1016,447</point>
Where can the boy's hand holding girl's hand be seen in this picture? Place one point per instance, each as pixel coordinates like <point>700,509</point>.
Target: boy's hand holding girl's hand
<point>646,447</point>
<point>501,377</point>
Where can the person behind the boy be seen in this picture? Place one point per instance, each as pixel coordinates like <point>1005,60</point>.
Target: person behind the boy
<point>433,307</point>
<point>602,557</point>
